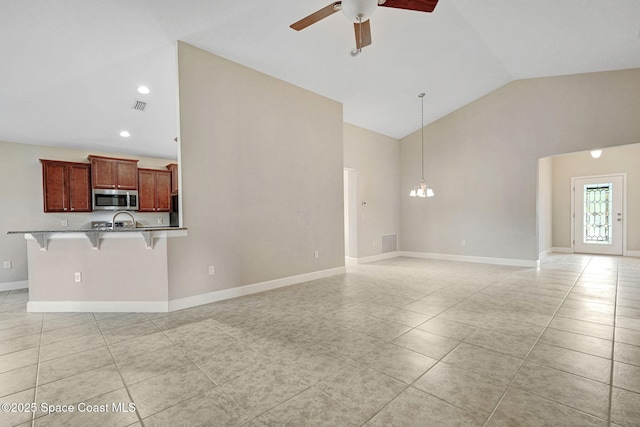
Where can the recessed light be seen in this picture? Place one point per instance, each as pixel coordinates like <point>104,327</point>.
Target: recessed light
<point>125,134</point>
<point>143,90</point>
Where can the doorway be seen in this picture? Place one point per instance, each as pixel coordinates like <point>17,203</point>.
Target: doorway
<point>598,214</point>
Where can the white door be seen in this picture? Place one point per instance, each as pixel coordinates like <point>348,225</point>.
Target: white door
<point>598,214</point>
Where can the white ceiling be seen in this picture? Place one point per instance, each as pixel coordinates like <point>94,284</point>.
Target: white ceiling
<point>69,68</point>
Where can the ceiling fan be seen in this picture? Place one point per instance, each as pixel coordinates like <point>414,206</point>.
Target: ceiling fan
<point>359,11</point>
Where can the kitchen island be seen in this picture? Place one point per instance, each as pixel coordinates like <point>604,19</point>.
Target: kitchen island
<point>99,270</point>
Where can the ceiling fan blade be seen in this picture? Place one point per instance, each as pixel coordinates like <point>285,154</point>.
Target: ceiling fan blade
<point>363,34</point>
<point>419,5</point>
<point>315,17</point>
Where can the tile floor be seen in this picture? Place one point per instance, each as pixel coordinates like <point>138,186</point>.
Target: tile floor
<point>404,342</point>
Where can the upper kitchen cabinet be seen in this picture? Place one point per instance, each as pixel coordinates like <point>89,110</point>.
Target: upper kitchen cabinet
<point>155,190</point>
<point>109,172</point>
<point>173,167</point>
<point>66,186</point>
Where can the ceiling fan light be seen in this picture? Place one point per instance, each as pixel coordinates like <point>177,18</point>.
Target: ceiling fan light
<point>359,10</point>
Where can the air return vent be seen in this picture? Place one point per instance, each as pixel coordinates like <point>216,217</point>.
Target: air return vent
<point>390,243</point>
<point>139,105</point>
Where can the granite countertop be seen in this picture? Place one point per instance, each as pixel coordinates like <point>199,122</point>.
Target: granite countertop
<point>100,230</point>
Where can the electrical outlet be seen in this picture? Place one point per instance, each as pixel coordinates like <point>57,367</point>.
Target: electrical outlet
<point>78,277</point>
<point>65,223</point>
<point>212,270</point>
<point>7,264</point>
<point>464,243</point>
<point>160,221</point>
<point>316,255</point>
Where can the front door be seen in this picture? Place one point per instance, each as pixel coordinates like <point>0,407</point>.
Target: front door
<point>598,214</point>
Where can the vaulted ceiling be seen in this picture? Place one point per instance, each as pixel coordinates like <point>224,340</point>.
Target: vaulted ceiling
<point>69,69</point>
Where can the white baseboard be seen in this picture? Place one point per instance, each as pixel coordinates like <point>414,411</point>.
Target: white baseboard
<point>476,259</point>
<point>379,257</point>
<point>181,303</point>
<point>98,306</point>
<point>562,250</point>
<point>545,253</point>
<point>12,286</point>
<point>177,304</point>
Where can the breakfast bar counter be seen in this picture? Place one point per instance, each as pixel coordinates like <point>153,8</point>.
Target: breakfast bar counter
<point>99,270</point>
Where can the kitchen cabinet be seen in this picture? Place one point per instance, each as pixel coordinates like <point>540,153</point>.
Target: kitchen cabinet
<point>154,190</point>
<point>66,186</point>
<point>110,172</point>
<point>173,167</point>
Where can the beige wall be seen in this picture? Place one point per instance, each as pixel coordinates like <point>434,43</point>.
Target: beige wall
<point>21,206</point>
<point>482,160</point>
<point>261,175</point>
<point>614,160</point>
<point>122,270</point>
<point>376,158</point>
<point>545,204</point>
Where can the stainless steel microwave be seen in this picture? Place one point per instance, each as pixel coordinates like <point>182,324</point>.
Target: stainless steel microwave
<point>115,200</point>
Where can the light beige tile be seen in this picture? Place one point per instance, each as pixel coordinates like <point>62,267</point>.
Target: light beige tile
<point>122,320</point>
<point>20,331</point>
<point>628,336</point>
<point>578,342</point>
<point>447,328</point>
<point>19,343</point>
<point>76,363</point>
<point>581,327</point>
<point>468,390</point>
<point>397,362</point>
<point>311,408</point>
<point>492,364</point>
<point>112,409</point>
<point>206,409</point>
<point>18,380</point>
<point>136,346</point>
<point>361,389</point>
<point>66,321</point>
<point>577,392</point>
<point>80,387</point>
<point>147,365</point>
<point>415,408</point>
<point>519,408</point>
<point>124,333</point>
<point>625,407</point>
<point>63,334</point>
<point>264,389</point>
<point>169,388</point>
<point>18,359</point>
<point>626,353</point>
<point>70,346</point>
<point>589,316</point>
<point>427,343</point>
<point>17,418</point>
<point>575,362</point>
<point>626,376</point>
<point>501,342</point>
